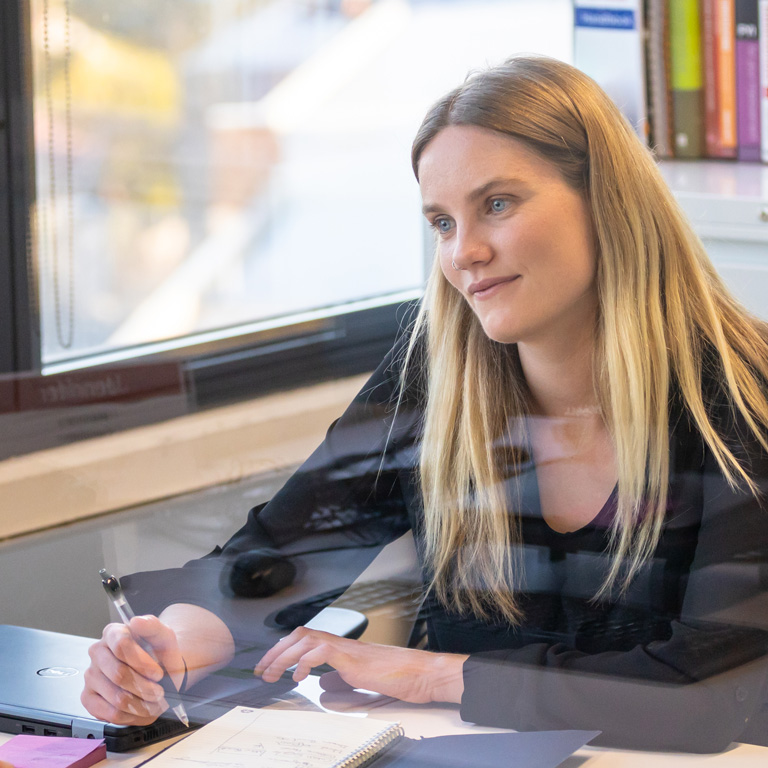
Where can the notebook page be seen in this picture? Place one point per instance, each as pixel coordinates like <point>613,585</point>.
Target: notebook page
<point>262,738</point>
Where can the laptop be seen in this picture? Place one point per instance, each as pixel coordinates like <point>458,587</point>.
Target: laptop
<point>41,678</point>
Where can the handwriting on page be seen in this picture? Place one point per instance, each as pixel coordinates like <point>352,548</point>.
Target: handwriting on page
<point>292,750</point>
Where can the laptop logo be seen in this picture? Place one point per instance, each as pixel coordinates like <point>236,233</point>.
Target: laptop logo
<point>57,672</point>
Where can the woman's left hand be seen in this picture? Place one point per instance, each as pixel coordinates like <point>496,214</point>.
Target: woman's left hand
<point>403,673</point>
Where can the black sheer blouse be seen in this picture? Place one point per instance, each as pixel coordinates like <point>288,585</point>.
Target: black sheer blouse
<point>678,661</point>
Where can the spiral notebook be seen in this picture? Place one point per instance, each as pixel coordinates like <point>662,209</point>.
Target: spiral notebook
<point>263,738</point>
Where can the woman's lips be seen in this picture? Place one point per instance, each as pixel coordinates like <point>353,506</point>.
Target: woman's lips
<point>486,288</point>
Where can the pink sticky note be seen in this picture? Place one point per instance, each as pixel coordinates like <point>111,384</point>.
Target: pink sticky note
<point>26,751</point>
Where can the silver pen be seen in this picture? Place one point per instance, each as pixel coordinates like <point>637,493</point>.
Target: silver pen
<point>113,589</point>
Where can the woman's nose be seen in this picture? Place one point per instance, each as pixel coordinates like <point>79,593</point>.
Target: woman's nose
<point>470,248</point>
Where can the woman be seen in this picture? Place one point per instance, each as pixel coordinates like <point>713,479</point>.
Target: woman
<point>588,403</point>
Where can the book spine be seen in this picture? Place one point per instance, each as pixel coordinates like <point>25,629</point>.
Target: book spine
<point>747,79</point>
<point>686,78</point>
<point>763,31</point>
<point>657,22</point>
<point>711,85</point>
<point>719,77</point>
<point>725,64</point>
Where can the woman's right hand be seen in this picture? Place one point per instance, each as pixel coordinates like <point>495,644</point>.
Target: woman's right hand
<point>3,764</point>
<point>121,684</point>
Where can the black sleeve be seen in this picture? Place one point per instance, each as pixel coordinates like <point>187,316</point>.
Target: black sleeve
<point>698,690</point>
<point>345,498</point>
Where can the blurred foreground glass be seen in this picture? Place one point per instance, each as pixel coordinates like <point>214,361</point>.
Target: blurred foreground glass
<point>201,165</point>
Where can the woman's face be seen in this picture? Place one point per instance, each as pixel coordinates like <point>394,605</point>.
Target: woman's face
<point>513,237</point>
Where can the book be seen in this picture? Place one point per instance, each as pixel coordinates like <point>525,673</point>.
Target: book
<point>763,32</point>
<point>686,78</point>
<point>725,71</point>
<point>719,61</point>
<point>608,45</point>
<point>747,79</point>
<point>27,751</point>
<point>659,104</point>
<point>265,738</point>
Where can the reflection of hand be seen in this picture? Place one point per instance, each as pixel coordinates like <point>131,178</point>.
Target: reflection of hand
<point>404,673</point>
<point>121,684</point>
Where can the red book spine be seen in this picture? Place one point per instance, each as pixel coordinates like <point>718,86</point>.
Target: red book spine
<point>711,107</point>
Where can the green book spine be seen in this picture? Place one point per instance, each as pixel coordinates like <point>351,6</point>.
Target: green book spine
<point>686,78</point>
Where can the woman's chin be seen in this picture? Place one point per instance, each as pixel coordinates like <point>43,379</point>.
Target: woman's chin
<point>502,334</point>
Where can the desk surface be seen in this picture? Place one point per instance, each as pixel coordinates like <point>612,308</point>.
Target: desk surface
<point>439,719</point>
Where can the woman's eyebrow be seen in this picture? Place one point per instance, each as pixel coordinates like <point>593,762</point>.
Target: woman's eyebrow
<point>492,184</point>
<point>479,192</point>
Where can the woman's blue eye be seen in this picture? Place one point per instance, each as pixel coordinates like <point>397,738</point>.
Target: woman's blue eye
<point>498,205</point>
<point>442,225</point>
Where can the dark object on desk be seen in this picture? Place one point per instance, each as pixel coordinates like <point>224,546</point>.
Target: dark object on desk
<point>537,749</point>
<point>299,613</point>
<point>362,596</point>
<point>258,573</point>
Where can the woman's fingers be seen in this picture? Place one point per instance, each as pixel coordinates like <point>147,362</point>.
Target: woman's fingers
<point>121,683</point>
<point>103,709</point>
<point>107,701</point>
<point>164,644</point>
<point>411,675</point>
<point>128,666</point>
<point>294,649</point>
<point>281,646</point>
<point>321,654</point>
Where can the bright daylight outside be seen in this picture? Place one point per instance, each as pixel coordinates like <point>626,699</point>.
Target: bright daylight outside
<point>204,164</point>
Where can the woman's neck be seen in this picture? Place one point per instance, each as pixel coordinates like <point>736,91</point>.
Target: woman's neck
<point>560,377</point>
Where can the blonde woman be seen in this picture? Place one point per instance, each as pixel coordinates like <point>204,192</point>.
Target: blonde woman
<point>575,429</point>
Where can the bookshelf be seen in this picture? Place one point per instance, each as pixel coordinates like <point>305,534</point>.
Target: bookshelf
<point>727,202</point>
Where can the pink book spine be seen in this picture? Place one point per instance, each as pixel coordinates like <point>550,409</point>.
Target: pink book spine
<point>764,79</point>
<point>748,79</point>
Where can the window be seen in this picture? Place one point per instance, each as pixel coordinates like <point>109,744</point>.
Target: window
<point>226,183</point>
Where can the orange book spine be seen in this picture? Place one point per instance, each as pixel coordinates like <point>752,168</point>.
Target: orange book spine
<point>725,65</point>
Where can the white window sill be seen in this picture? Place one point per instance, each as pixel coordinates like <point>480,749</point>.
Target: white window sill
<point>94,477</point>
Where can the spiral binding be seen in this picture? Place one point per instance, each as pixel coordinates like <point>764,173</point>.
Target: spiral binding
<point>373,748</point>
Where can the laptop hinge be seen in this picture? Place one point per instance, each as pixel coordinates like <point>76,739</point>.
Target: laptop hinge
<point>87,729</point>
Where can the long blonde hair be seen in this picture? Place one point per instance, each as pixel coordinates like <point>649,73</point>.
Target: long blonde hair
<point>663,311</point>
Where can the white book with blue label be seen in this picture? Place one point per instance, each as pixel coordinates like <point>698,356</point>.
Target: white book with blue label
<point>608,45</point>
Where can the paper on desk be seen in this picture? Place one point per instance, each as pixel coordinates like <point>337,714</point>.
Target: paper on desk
<point>266,738</point>
<point>27,751</point>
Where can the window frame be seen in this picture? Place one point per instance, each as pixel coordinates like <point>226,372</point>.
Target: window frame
<point>20,344</point>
